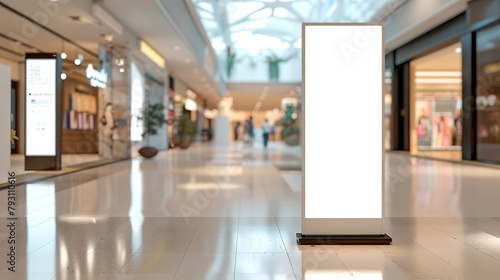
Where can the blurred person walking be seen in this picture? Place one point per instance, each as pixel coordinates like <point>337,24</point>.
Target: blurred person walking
<point>246,137</point>
<point>251,133</point>
<point>236,130</point>
<point>266,129</point>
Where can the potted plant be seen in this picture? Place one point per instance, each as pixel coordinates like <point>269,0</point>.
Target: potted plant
<point>186,130</point>
<point>290,130</point>
<point>13,136</point>
<point>153,121</point>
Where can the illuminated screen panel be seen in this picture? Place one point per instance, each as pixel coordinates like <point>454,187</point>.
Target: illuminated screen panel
<point>40,107</point>
<point>343,152</point>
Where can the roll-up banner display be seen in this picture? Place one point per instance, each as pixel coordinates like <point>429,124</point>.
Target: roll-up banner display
<point>342,139</point>
<point>43,122</point>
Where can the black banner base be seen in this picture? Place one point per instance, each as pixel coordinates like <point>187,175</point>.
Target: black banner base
<point>351,239</point>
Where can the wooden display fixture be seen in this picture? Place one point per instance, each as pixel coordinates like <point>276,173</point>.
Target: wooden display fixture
<point>80,133</point>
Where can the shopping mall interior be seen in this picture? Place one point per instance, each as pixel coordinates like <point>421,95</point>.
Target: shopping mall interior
<point>173,132</point>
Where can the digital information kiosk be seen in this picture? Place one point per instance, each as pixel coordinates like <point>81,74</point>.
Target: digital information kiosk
<point>342,139</point>
<point>43,112</point>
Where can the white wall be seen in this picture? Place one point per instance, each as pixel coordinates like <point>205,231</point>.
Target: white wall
<point>417,17</point>
<point>5,73</point>
<point>14,68</point>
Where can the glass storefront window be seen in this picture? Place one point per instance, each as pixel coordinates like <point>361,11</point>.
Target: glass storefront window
<point>436,102</point>
<point>488,94</point>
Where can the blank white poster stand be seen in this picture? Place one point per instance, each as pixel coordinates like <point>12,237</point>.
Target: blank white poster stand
<point>342,122</point>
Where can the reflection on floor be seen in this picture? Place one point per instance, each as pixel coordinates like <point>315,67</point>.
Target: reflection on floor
<point>446,155</point>
<point>229,213</point>
<point>17,161</point>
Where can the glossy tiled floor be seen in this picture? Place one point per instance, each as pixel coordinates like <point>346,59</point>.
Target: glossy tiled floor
<point>229,213</point>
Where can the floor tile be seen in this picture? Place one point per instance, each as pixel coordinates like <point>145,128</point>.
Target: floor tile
<point>230,213</point>
<point>204,276</point>
<point>207,263</point>
<point>144,264</point>
<point>263,263</point>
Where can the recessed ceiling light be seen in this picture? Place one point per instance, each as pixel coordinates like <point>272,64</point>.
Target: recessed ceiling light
<point>78,61</point>
<point>458,50</point>
<point>63,76</point>
<point>122,70</point>
<point>64,55</point>
<point>108,37</point>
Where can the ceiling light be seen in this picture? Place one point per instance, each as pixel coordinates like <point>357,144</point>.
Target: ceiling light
<point>64,55</point>
<point>108,37</point>
<point>79,59</point>
<point>119,62</point>
<point>122,70</point>
<point>458,50</point>
<point>63,76</point>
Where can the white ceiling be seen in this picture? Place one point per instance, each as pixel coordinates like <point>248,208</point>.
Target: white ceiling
<point>144,19</point>
<point>247,95</point>
<point>444,59</point>
<point>88,34</point>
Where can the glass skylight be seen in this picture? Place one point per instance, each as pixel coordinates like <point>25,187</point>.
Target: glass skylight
<point>248,27</point>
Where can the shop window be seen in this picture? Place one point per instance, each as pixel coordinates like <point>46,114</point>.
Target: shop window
<point>488,94</point>
<point>436,102</point>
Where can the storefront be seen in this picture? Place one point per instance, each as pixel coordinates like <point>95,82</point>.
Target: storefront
<point>436,102</point>
<point>488,93</point>
<point>444,84</point>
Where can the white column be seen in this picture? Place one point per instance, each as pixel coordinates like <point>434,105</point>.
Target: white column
<point>4,122</point>
<point>221,132</point>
